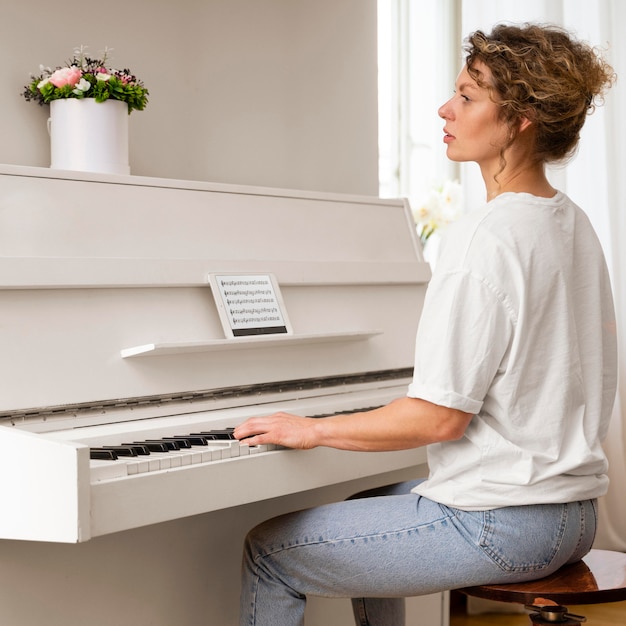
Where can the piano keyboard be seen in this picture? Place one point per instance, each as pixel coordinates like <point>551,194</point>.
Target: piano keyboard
<point>139,457</point>
<point>172,451</point>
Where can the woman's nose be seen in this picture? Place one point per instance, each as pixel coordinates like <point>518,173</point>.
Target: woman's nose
<point>444,110</point>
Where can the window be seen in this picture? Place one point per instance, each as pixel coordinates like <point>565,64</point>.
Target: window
<point>419,57</point>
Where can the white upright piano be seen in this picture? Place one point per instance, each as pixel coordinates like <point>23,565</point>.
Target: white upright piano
<point>123,369</point>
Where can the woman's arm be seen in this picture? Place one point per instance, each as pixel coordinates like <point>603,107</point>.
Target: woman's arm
<point>404,423</point>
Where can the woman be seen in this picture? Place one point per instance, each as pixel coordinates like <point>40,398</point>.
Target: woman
<point>514,380</point>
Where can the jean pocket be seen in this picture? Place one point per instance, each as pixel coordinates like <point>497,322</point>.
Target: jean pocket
<point>523,538</point>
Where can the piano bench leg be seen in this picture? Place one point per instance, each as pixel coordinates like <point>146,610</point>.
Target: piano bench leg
<point>554,614</point>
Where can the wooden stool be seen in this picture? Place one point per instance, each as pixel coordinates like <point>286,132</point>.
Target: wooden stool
<point>600,577</point>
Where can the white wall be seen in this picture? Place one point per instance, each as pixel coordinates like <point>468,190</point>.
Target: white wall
<point>279,93</point>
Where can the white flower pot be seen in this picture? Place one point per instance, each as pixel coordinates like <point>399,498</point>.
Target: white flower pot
<point>89,136</point>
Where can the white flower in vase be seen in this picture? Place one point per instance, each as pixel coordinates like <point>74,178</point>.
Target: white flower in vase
<point>438,208</point>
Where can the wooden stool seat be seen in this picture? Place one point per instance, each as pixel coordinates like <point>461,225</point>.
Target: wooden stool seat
<point>600,577</point>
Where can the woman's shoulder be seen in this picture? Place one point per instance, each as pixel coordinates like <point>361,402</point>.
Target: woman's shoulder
<point>515,216</point>
<point>507,229</point>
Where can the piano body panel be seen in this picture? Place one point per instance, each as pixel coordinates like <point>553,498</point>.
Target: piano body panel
<point>45,488</point>
<point>134,217</point>
<point>125,263</point>
<point>104,322</point>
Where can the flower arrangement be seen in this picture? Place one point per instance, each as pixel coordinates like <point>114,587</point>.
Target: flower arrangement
<point>441,206</point>
<point>84,77</point>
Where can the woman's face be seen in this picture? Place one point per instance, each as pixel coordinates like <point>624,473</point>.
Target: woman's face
<point>473,129</point>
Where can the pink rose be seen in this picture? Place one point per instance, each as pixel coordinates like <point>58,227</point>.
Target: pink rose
<point>66,76</point>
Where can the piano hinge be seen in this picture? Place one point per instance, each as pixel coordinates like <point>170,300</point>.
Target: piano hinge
<point>240,392</point>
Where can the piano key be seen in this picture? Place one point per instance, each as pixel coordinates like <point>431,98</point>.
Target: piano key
<point>193,439</point>
<point>216,452</point>
<point>168,460</point>
<point>100,453</point>
<point>122,450</point>
<point>154,446</point>
<point>226,433</point>
<point>173,459</point>
<point>138,465</point>
<point>138,447</point>
<point>347,411</point>
<point>231,448</point>
<point>170,444</point>
<point>182,443</point>
<point>163,460</point>
<point>196,440</point>
<point>105,470</point>
<point>262,447</point>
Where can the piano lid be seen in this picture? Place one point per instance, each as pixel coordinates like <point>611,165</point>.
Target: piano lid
<point>105,294</point>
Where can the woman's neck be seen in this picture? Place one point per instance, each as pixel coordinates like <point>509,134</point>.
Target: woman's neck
<point>522,172</point>
<point>528,179</point>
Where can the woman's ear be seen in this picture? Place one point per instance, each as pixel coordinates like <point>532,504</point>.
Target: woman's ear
<point>524,124</point>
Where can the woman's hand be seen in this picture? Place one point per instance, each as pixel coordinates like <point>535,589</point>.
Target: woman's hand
<point>283,429</point>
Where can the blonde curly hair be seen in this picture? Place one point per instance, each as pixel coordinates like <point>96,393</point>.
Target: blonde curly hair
<point>542,73</point>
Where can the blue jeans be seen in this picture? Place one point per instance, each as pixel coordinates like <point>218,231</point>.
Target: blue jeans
<point>378,549</point>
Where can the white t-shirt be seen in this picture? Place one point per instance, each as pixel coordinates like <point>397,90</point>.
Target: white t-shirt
<point>518,328</point>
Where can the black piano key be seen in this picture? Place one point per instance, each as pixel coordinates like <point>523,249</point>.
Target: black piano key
<point>347,411</point>
<point>171,444</point>
<point>218,434</point>
<point>102,454</point>
<point>155,446</point>
<point>138,447</point>
<point>193,439</point>
<point>182,442</point>
<point>122,450</point>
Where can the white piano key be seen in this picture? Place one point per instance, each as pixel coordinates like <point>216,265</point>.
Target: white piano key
<point>137,465</point>
<point>216,452</point>
<point>228,448</point>
<point>183,455</point>
<point>106,470</point>
<point>154,464</point>
<point>195,457</point>
<point>168,460</point>
<point>165,461</point>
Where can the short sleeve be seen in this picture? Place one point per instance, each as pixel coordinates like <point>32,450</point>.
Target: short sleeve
<point>462,340</point>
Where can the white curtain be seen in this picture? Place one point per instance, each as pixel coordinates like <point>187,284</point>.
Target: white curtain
<point>595,180</point>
